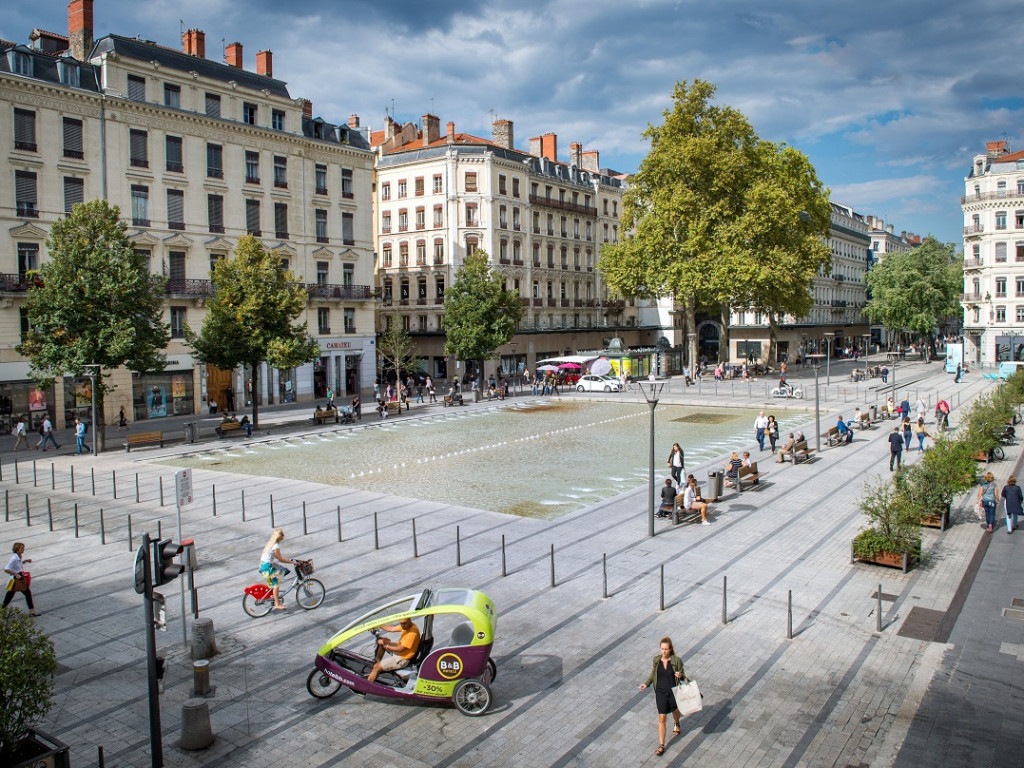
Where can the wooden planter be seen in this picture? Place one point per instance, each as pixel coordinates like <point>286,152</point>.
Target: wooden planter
<point>902,560</point>
<point>42,750</point>
<point>938,520</point>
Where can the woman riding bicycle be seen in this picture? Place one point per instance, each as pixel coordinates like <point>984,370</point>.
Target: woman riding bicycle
<point>271,565</point>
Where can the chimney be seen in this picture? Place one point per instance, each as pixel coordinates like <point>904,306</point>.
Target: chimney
<point>264,63</point>
<point>450,135</point>
<point>233,55</point>
<point>353,121</point>
<point>592,160</point>
<point>307,109</point>
<point>576,154</point>
<point>80,28</point>
<point>995,148</point>
<point>193,42</point>
<point>535,146</point>
<point>545,146</point>
<point>431,129</point>
<point>501,132</point>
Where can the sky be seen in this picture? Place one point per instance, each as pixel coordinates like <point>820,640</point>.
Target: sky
<point>890,101</point>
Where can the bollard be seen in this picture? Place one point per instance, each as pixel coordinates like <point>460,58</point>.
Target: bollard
<point>100,763</point>
<point>661,595</point>
<point>196,732</point>
<point>504,568</point>
<point>76,519</point>
<point>604,574</point>
<point>35,480</point>
<point>215,501</point>
<point>93,471</point>
<point>7,505</point>
<point>161,490</point>
<point>16,478</point>
<point>53,477</point>
<point>725,605</point>
<point>159,529</point>
<point>129,533</point>
<point>552,566</point>
<point>113,481</point>
<point>243,505</point>
<point>415,548</point>
<point>103,530</point>
<point>376,532</point>
<point>305,532</point>
<point>789,617</point>
<point>339,523</point>
<point>49,513</point>
<point>458,546</point>
<point>878,618</point>
<point>28,518</point>
<point>272,511</point>
<point>204,643</point>
<point>200,676</point>
<point>136,487</point>
<point>72,478</point>
<point>1,471</point>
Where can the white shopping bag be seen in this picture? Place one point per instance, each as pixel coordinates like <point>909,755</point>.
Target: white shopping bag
<point>688,697</point>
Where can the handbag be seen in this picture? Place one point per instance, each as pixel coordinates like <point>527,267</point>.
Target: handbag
<point>979,510</point>
<point>20,585</point>
<point>688,697</point>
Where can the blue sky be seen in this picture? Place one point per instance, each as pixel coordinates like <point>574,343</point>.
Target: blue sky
<point>889,100</point>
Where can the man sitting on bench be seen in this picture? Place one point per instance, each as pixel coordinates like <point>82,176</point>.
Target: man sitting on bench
<point>690,503</point>
<point>786,448</point>
<point>845,433</point>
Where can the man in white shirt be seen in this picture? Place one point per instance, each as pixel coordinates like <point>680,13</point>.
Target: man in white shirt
<point>760,426</point>
<point>48,434</point>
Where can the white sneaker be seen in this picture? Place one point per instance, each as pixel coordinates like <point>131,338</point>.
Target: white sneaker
<point>705,522</point>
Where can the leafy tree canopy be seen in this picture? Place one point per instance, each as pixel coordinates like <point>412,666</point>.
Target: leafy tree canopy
<point>479,314</point>
<point>27,666</point>
<point>250,319</point>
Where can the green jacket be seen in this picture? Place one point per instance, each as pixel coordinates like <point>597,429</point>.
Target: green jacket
<point>673,660</point>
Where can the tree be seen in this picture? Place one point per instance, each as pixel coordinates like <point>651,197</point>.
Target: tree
<point>27,666</point>
<point>479,314</point>
<point>249,320</point>
<point>911,292</point>
<point>397,349</point>
<point>96,303</point>
<point>715,216</point>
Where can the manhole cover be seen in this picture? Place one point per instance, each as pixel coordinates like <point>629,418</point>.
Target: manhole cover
<point>921,623</point>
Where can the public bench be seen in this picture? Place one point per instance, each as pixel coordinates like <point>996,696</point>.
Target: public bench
<point>748,475</point>
<point>395,407</point>
<point>865,421</point>
<point>228,428</point>
<point>142,438</point>
<point>320,416</point>
<point>799,452</point>
<point>453,400</point>
<point>833,436</point>
<point>680,515</point>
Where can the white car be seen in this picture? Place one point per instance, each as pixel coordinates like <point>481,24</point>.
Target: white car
<point>591,383</point>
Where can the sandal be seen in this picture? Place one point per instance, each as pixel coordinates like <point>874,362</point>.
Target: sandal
<point>660,750</point>
<point>675,731</point>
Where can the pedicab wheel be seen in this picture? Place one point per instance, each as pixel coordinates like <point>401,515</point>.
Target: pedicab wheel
<point>494,668</point>
<point>310,594</point>
<point>472,697</point>
<point>257,608</point>
<point>321,685</point>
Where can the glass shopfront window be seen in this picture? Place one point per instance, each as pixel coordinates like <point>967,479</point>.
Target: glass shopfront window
<point>23,398</point>
<point>157,395</point>
<point>286,384</point>
<point>77,400</point>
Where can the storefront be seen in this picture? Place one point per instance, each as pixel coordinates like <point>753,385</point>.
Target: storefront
<point>77,400</point>
<point>158,395</point>
<point>19,396</point>
<point>342,367</point>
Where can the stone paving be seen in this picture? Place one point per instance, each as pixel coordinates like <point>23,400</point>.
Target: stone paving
<point>569,659</point>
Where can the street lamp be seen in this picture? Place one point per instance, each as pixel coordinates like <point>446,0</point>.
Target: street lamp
<point>515,366</point>
<point>652,391</point>
<point>829,335</point>
<point>816,365</point>
<point>92,371</point>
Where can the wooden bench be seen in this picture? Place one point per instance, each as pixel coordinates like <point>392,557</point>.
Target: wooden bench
<point>865,421</point>
<point>143,438</point>
<point>748,475</point>
<point>834,438</point>
<point>321,416</point>
<point>680,515</point>
<point>395,407</point>
<point>227,428</point>
<point>453,400</point>
<point>799,452</point>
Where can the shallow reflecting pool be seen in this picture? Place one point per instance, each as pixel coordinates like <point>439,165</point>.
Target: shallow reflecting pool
<point>534,457</point>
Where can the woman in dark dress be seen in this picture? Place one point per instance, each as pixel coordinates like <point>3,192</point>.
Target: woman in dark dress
<point>666,672</point>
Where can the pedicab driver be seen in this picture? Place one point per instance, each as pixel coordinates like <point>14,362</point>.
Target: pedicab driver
<point>401,651</point>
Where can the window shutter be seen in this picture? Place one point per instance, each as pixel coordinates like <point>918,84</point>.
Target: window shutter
<point>174,153</point>
<point>176,259</point>
<point>72,137</point>
<point>215,207</point>
<point>252,215</point>
<point>281,219</point>
<point>347,229</point>
<point>25,187</point>
<point>138,148</point>
<point>136,88</point>
<point>175,206</point>
<point>74,192</point>
<point>212,105</point>
<point>24,129</point>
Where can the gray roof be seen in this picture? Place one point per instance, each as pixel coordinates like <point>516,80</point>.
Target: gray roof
<point>44,66</point>
<point>318,128</point>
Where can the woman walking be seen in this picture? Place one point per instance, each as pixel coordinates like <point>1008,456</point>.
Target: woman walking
<point>921,433</point>
<point>16,569</point>
<point>666,672</point>
<point>677,463</point>
<point>988,495</point>
<point>773,431</point>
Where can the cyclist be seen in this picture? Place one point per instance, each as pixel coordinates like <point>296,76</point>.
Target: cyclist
<point>271,565</point>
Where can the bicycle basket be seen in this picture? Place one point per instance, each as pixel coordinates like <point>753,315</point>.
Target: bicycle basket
<point>304,567</point>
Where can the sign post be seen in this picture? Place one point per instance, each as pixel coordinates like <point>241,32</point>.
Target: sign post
<point>183,497</point>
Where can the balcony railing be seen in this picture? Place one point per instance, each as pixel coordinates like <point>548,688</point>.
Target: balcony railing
<point>17,283</point>
<point>180,286</point>
<point>974,229</point>
<point>343,292</point>
<point>972,263</point>
<point>562,206</point>
<point>971,297</point>
<point>997,195</point>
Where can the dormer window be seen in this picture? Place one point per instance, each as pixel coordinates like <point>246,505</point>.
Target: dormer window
<point>70,74</point>
<point>20,63</point>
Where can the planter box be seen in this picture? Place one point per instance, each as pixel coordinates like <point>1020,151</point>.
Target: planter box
<point>902,560</point>
<point>938,520</point>
<point>42,751</point>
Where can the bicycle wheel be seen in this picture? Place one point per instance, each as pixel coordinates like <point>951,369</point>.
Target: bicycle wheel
<point>310,594</point>
<point>320,685</point>
<point>257,608</point>
<point>997,453</point>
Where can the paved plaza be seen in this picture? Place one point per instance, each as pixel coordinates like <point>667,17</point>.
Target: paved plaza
<point>570,659</point>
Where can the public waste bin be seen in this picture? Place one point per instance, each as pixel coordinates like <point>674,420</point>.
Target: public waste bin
<point>191,431</point>
<point>874,413</point>
<point>715,481</point>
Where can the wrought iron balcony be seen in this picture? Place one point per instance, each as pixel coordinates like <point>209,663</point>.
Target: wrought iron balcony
<point>342,292</point>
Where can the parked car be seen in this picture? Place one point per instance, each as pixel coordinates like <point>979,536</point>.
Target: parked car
<point>592,383</point>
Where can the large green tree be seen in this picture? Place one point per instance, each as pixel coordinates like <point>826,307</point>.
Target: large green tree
<point>718,218</point>
<point>914,291</point>
<point>479,314</point>
<point>251,318</point>
<point>95,303</point>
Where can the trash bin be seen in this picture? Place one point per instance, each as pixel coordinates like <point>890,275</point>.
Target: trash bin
<point>715,481</point>
<point>191,431</point>
<point>874,413</point>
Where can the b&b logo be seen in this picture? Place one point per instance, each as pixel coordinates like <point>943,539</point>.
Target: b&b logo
<point>449,666</point>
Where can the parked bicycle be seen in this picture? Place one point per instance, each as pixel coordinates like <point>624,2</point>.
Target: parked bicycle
<point>309,593</point>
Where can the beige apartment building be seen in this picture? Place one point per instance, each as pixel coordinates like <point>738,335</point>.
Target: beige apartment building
<point>196,153</point>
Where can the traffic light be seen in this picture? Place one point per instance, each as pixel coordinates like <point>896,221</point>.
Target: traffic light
<point>164,567</point>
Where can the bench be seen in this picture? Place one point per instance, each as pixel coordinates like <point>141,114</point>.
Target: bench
<point>321,416</point>
<point>395,407</point>
<point>834,438</point>
<point>226,428</point>
<point>748,475</point>
<point>799,452</point>
<point>865,421</point>
<point>680,515</point>
<point>453,400</point>
<point>143,438</point>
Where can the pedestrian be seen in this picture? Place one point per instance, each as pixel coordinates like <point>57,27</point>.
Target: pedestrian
<point>20,579</point>
<point>885,374</point>
<point>959,374</point>
<point>895,448</point>
<point>904,408</point>
<point>357,407</point>
<point>760,428</point>
<point>48,434</point>
<point>988,495</point>
<point>122,420</point>
<point>229,398</point>
<point>677,463</point>
<point>330,398</point>
<point>80,437</point>
<point>773,431</point>
<point>20,433</point>
<point>921,433</point>
<point>908,432</point>
<point>1013,501</point>
<point>419,393</point>
<point>666,672</point>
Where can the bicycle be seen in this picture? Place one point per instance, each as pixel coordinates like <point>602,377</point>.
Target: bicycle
<point>258,599</point>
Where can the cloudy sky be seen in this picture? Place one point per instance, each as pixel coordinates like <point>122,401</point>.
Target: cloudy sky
<point>889,100</point>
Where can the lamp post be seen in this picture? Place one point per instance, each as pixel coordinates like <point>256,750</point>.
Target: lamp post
<point>652,391</point>
<point>816,365</point>
<point>92,371</point>
<point>515,366</point>
<point>829,335</point>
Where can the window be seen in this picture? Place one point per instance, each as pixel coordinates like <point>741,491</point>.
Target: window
<point>403,259</point>
<point>321,179</point>
<point>1019,248</point>
<point>472,220</point>
<point>284,263</point>
<point>386,255</point>
<point>471,181</point>
<point>322,270</point>
<point>249,111</point>
<point>471,245</point>
<point>20,63</point>
<point>515,220</point>
<point>349,316</point>
<point>1019,217</point>
<point>421,254</point>
<point>1001,287</point>
<point>403,220</point>
<point>438,184</point>
<point>252,167</point>
<point>515,186</point>
<point>175,209</point>
<point>422,319</point>
<point>212,105</point>
<point>74,193</point>
<point>439,252</point>
<point>178,322</point>
<point>421,218</point>
<point>385,191</point>
<point>438,216</point>
<point>418,186</point>
<point>281,220</point>
<point>1020,186</point>
<point>136,88</point>
<point>502,184</point>
<point>73,138</point>
<point>1000,252</point>
<point>215,211</point>
<point>346,183</point>
<point>1020,313</point>
<point>172,149</point>
<point>138,147</point>
<point>172,96</point>
<point>215,161</point>
<point>323,319</point>
<point>348,272</point>
<point>503,217</point>
<point>320,216</point>
<point>25,130</point>
<point>536,255</point>
<point>1020,286</point>
<point>503,251</point>
<point>1000,314</point>
<point>280,172</point>
<point>28,259</point>
<point>348,236</point>
<point>140,205</point>
<point>551,257</point>
<point>551,224</point>
<point>277,120</point>
<point>385,221</point>
<point>439,290</point>
<point>252,218</point>
<point>402,191</point>
<point>1000,219</point>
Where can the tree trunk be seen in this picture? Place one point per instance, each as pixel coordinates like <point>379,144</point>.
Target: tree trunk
<point>98,422</point>
<point>255,394</point>
<point>723,342</point>
<point>772,338</point>
<point>691,331</point>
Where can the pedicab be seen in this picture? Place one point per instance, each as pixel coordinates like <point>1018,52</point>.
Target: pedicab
<point>452,662</point>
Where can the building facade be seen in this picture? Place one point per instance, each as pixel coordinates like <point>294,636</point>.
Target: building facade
<point>196,153</point>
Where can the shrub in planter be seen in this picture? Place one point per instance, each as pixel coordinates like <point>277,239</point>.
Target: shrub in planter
<point>946,469</point>
<point>984,422</point>
<point>27,666</point>
<point>895,523</point>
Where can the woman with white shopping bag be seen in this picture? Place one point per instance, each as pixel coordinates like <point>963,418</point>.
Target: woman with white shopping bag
<point>666,671</point>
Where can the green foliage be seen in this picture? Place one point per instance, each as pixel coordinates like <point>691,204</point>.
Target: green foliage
<point>981,426</point>
<point>912,292</point>
<point>27,666</point>
<point>895,520</point>
<point>95,302</point>
<point>397,349</point>
<point>717,216</point>
<point>944,470</point>
<point>479,314</point>
<point>250,318</point>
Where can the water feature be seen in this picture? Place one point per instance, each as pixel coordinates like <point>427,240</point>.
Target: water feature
<point>534,457</point>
